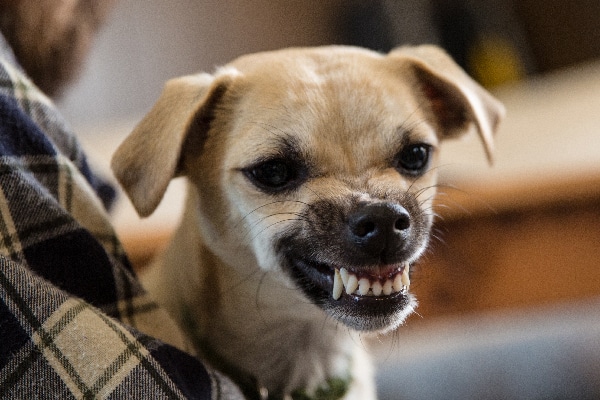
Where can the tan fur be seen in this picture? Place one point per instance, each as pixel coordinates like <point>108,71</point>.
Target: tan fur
<point>221,277</point>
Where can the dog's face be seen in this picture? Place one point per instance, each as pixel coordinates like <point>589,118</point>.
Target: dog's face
<point>317,165</point>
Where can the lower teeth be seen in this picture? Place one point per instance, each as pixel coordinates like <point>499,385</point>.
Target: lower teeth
<point>344,280</point>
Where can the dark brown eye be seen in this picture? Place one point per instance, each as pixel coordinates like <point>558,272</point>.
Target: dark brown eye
<point>413,159</point>
<point>274,175</point>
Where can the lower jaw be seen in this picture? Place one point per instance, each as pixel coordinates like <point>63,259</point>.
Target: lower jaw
<point>378,314</point>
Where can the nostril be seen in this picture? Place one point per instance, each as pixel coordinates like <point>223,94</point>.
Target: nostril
<point>402,223</point>
<point>378,224</point>
<point>364,228</point>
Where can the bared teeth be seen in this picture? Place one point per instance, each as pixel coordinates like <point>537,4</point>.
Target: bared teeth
<point>338,285</point>
<point>352,284</point>
<point>363,286</point>
<point>344,274</point>
<point>388,287</point>
<point>397,284</point>
<point>344,280</point>
<point>376,288</point>
<point>402,280</point>
<point>405,277</point>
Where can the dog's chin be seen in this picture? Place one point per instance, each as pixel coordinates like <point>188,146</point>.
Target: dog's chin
<point>374,311</point>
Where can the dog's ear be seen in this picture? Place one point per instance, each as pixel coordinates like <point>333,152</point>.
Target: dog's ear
<point>150,156</point>
<point>455,100</point>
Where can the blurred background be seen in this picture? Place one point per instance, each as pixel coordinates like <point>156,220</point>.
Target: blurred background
<point>510,291</point>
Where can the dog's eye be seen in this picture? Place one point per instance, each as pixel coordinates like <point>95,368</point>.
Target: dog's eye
<point>414,158</point>
<point>274,175</point>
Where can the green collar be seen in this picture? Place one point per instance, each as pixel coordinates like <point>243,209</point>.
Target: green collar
<point>332,389</point>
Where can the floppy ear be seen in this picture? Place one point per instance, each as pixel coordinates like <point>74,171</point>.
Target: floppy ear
<point>455,100</point>
<point>149,157</point>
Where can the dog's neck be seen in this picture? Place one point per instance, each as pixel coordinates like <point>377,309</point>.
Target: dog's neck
<point>254,323</point>
<point>283,355</point>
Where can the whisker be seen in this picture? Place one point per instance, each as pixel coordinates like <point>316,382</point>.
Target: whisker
<point>273,224</point>
<point>266,205</point>
<point>419,107</point>
<point>314,192</point>
<point>242,280</point>
<point>299,217</point>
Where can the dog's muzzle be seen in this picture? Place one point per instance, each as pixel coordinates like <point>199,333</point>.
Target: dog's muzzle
<point>379,230</point>
<point>355,264</point>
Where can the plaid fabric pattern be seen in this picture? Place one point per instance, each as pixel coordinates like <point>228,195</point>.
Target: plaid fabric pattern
<point>71,308</point>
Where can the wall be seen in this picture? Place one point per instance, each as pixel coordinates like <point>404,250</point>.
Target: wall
<point>149,41</point>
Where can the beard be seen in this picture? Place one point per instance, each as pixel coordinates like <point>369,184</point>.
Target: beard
<point>51,38</point>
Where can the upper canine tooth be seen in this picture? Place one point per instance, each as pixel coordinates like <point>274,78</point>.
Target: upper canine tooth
<point>363,286</point>
<point>397,285</point>
<point>352,284</point>
<point>338,285</point>
<point>405,276</point>
<point>344,274</point>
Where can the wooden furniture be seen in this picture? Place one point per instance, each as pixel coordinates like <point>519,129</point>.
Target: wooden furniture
<point>514,247</point>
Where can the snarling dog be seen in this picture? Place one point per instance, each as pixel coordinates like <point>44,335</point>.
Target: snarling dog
<point>311,177</point>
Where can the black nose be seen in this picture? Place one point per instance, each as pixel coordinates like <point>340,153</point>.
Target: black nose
<point>379,229</point>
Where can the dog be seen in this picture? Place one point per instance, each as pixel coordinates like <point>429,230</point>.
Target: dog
<point>311,175</point>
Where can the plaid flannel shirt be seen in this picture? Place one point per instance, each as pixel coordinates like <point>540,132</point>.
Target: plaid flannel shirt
<point>71,308</point>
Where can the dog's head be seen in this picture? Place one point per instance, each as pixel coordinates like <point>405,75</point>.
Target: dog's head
<point>318,165</point>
